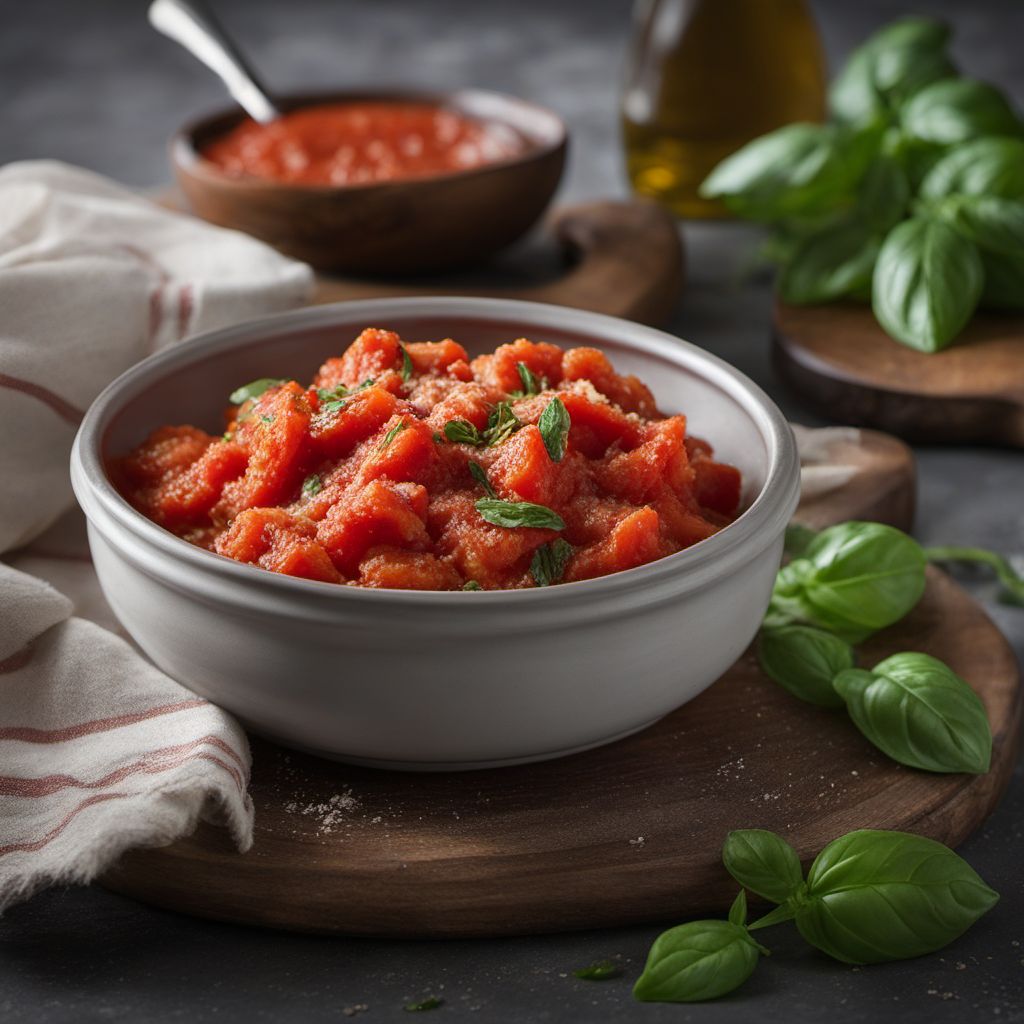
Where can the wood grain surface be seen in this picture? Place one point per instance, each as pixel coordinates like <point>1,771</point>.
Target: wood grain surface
<point>843,365</point>
<point>626,833</point>
<point>620,258</point>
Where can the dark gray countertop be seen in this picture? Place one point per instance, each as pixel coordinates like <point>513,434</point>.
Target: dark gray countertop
<point>90,83</point>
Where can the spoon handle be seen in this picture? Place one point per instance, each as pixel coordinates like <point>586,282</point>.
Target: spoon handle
<point>192,24</point>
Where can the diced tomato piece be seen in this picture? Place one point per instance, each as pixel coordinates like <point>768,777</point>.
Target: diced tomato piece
<point>634,541</point>
<point>407,570</point>
<point>334,432</point>
<point>717,486</point>
<point>382,512</point>
<point>597,425</point>
<point>637,474</point>
<point>403,449</point>
<point>501,369</point>
<point>273,539</point>
<point>626,392</point>
<point>469,402</point>
<point>277,436</point>
<point>523,470</point>
<point>435,356</point>
<point>368,357</point>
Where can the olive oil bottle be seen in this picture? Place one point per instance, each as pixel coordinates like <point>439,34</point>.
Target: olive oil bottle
<point>706,76</point>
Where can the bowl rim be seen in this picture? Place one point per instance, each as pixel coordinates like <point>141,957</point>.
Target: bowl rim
<point>757,526</point>
<point>187,157</point>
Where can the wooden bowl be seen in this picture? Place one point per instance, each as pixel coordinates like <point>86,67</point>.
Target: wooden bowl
<point>393,227</point>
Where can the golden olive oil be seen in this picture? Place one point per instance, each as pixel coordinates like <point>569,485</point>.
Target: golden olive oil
<point>704,78</point>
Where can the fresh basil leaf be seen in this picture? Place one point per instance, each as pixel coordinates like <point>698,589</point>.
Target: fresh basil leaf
<point>830,265</point>
<point>889,65</point>
<point>312,486</point>
<point>602,970</point>
<point>391,435</point>
<point>884,194</point>
<point>549,561</point>
<point>501,424</point>
<point>532,385</point>
<point>519,513</point>
<point>984,167</point>
<point>333,399</point>
<point>874,896</point>
<point>920,712</point>
<point>854,579</point>
<point>554,424</point>
<point>463,432</point>
<point>763,863</point>
<point>253,389</point>
<point>955,110</point>
<point>479,474</point>
<point>1004,282</point>
<point>407,367</point>
<point>804,661</point>
<point>995,225</point>
<point>799,170</point>
<point>697,961</point>
<point>926,284</point>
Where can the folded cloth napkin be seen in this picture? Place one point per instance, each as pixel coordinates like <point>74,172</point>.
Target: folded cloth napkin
<point>99,751</point>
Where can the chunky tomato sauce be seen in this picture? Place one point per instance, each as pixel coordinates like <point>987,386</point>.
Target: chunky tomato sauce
<point>355,143</point>
<point>409,465</point>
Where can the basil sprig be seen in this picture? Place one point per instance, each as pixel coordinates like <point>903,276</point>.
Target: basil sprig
<point>869,897</point>
<point>920,712</point>
<point>852,580</point>
<point>518,513</point>
<point>848,581</point>
<point>554,424</point>
<point>463,432</point>
<point>1011,581</point>
<point>860,207</point>
<point>700,960</point>
<point>253,389</point>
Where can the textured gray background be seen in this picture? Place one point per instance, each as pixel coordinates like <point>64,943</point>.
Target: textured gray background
<point>87,81</point>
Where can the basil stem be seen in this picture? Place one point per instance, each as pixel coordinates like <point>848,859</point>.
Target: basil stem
<point>1011,581</point>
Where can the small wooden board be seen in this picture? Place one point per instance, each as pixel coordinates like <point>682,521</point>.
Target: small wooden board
<point>843,365</point>
<point>626,833</point>
<point>619,257</point>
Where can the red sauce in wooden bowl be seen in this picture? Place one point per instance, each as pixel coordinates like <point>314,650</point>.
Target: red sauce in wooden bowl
<point>356,143</point>
<point>407,465</point>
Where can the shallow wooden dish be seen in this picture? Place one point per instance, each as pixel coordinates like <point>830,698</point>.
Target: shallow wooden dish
<point>394,227</point>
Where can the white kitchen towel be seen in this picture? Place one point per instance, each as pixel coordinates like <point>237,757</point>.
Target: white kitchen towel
<point>99,751</point>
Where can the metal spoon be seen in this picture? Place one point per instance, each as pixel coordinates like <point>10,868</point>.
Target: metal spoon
<point>192,24</point>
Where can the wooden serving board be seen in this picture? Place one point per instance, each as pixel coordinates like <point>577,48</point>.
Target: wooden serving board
<point>844,366</point>
<point>626,833</point>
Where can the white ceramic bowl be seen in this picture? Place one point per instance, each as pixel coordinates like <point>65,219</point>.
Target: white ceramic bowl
<point>425,680</point>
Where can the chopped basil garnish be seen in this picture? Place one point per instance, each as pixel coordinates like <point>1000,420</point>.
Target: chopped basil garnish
<point>430,1003</point>
<point>471,585</point>
<point>532,384</point>
<point>253,389</point>
<point>267,419</point>
<point>519,513</point>
<point>554,426</point>
<point>463,432</point>
<point>312,485</point>
<point>333,399</point>
<point>501,424</point>
<point>437,438</point>
<point>549,562</point>
<point>392,434</point>
<point>476,471</point>
<point>406,363</point>
<point>600,971</point>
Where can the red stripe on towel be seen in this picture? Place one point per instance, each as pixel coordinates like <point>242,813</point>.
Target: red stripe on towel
<point>60,406</point>
<point>73,732</point>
